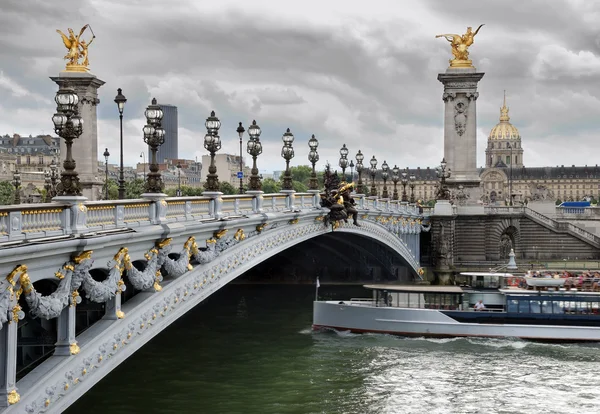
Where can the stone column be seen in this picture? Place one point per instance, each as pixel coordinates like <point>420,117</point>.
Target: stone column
<point>290,199</point>
<point>85,148</point>
<point>460,129</point>
<point>66,344</point>
<point>257,200</point>
<point>8,360</point>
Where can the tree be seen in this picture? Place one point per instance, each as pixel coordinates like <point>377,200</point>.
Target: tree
<point>7,192</point>
<point>113,190</point>
<point>299,187</point>
<point>302,174</point>
<point>227,188</point>
<point>133,188</point>
<point>270,186</point>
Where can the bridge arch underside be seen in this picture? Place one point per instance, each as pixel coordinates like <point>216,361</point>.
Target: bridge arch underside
<point>336,257</point>
<point>59,381</point>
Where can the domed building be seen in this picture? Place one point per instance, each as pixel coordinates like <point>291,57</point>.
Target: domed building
<point>504,143</point>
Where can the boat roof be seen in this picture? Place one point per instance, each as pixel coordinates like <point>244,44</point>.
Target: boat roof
<point>417,288</point>
<point>487,274</point>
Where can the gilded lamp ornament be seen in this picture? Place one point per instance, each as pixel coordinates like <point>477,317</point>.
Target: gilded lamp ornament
<point>460,47</point>
<point>77,49</point>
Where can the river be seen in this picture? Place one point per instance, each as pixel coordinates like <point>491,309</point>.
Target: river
<point>250,349</point>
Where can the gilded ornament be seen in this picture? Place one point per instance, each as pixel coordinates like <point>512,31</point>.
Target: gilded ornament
<point>59,275</point>
<point>47,402</point>
<point>261,227</point>
<point>217,235</point>
<point>239,235</point>
<point>162,244</point>
<point>120,314</point>
<point>77,49</point>
<point>460,47</point>
<point>13,397</point>
<point>157,287</point>
<point>294,221</point>
<point>19,270</point>
<point>67,385</point>
<point>82,256</point>
<point>74,348</point>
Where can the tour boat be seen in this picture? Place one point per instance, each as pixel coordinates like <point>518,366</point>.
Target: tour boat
<point>554,314</point>
<point>545,281</point>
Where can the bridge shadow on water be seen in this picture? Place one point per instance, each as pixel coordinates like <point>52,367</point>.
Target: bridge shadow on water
<point>241,348</point>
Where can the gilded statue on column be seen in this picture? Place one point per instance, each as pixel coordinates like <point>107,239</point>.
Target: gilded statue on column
<point>460,47</point>
<point>77,49</point>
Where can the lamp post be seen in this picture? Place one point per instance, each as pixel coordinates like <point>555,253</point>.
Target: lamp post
<point>359,169</point>
<point>385,168</point>
<point>143,157</point>
<point>212,142</point>
<point>47,186</point>
<point>254,148</point>
<point>69,126</point>
<point>443,174</point>
<point>106,155</point>
<point>373,172</point>
<point>120,101</point>
<point>179,179</point>
<point>313,157</point>
<point>240,130</point>
<point>510,176</point>
<point>53,177</point>
<point>412,184</point>
<point>395,178</point>
<point>351,171</point>
<point>404,182</point>
<point>17,183</point>
<point>154,136</point>
<point>343,163</point>
<point>287,152</point>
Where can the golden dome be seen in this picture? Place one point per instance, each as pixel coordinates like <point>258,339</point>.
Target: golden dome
<point>504,129</point>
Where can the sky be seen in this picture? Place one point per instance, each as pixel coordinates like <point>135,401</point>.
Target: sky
<point>350,72</point>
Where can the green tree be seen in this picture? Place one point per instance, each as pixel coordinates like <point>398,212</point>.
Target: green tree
<point>302,173</point>
<point>558,202</point>
<point>133,188</point>
<point>7,192</point>
<point>113,190</point>
<point>270,186</point>
<point>299,187</point>
<point>227,188</point>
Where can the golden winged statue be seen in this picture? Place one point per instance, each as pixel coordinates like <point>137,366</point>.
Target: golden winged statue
<point>460,47</point>
<point>77,49</point>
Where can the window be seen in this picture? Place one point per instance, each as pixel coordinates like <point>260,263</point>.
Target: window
<point>28,160</point>
<point>508,159</point>
<point>40,159</point>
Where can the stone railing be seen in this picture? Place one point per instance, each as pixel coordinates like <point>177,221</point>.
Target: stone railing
<point>503,210</point>
<point>27,221</point>
<point>562,226</point>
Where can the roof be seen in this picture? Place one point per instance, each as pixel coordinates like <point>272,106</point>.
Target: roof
<point>416,288</point>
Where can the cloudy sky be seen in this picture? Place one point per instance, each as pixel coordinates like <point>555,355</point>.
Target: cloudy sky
<point>353,72</point>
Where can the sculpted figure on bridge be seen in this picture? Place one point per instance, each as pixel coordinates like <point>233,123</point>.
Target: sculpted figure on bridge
<point>338,199</point>
<point>77,49</point>
<point>460,46</point>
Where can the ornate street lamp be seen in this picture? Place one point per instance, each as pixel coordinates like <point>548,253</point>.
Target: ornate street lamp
<point>443,174</point>
<point>359,169</point>
<point>120,101</point>
<point>343,163</point>
<point>373,172</point>
<point>143,157</point>
<point>240,130</point>
<point>179,179</point>
<point>53,177</point>
<point>17,183</point>
<point>254,148</point>
<point>287,152</point>
<point>412,179</point>
<point>352,171</point>
<point>395,178</point>
<point>69,126</point>
<point>154,136</point>
<point>47,186</point>
<point>212,142</point>
<point>385,168</point>
<point>404,182</point>
<point>313,157</point>
<point>106,155</point>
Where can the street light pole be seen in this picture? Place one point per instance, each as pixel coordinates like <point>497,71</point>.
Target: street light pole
<point>395,178</point>
<point>373,172</point>
<point>17,184</point>
<point>384,174</point>
<point>287,152</point>
<point>510,196</point>
<point>359,169</point>
<point>343,163</point>
<point>313,157</point>
<point>212,142</point>
<point>143,157</point>
<point>240,130</point>
<point>120,101</point>
<point>351,171</point>
<point>106,155</point>
<point>154,136</point>
<point>179,179</point>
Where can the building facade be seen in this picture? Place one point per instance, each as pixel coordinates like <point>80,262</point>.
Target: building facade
<point>228,166</point>
<point>170,148</point>
<point>505,174</point>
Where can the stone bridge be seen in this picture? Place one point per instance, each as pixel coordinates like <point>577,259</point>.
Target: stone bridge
<point>135,266</point>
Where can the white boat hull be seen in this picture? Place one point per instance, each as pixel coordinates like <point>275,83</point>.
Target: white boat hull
<point>545,282</point>
<point>430,322</point>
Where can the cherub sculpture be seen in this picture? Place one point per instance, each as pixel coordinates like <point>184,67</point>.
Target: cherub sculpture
<point>460,46</point>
